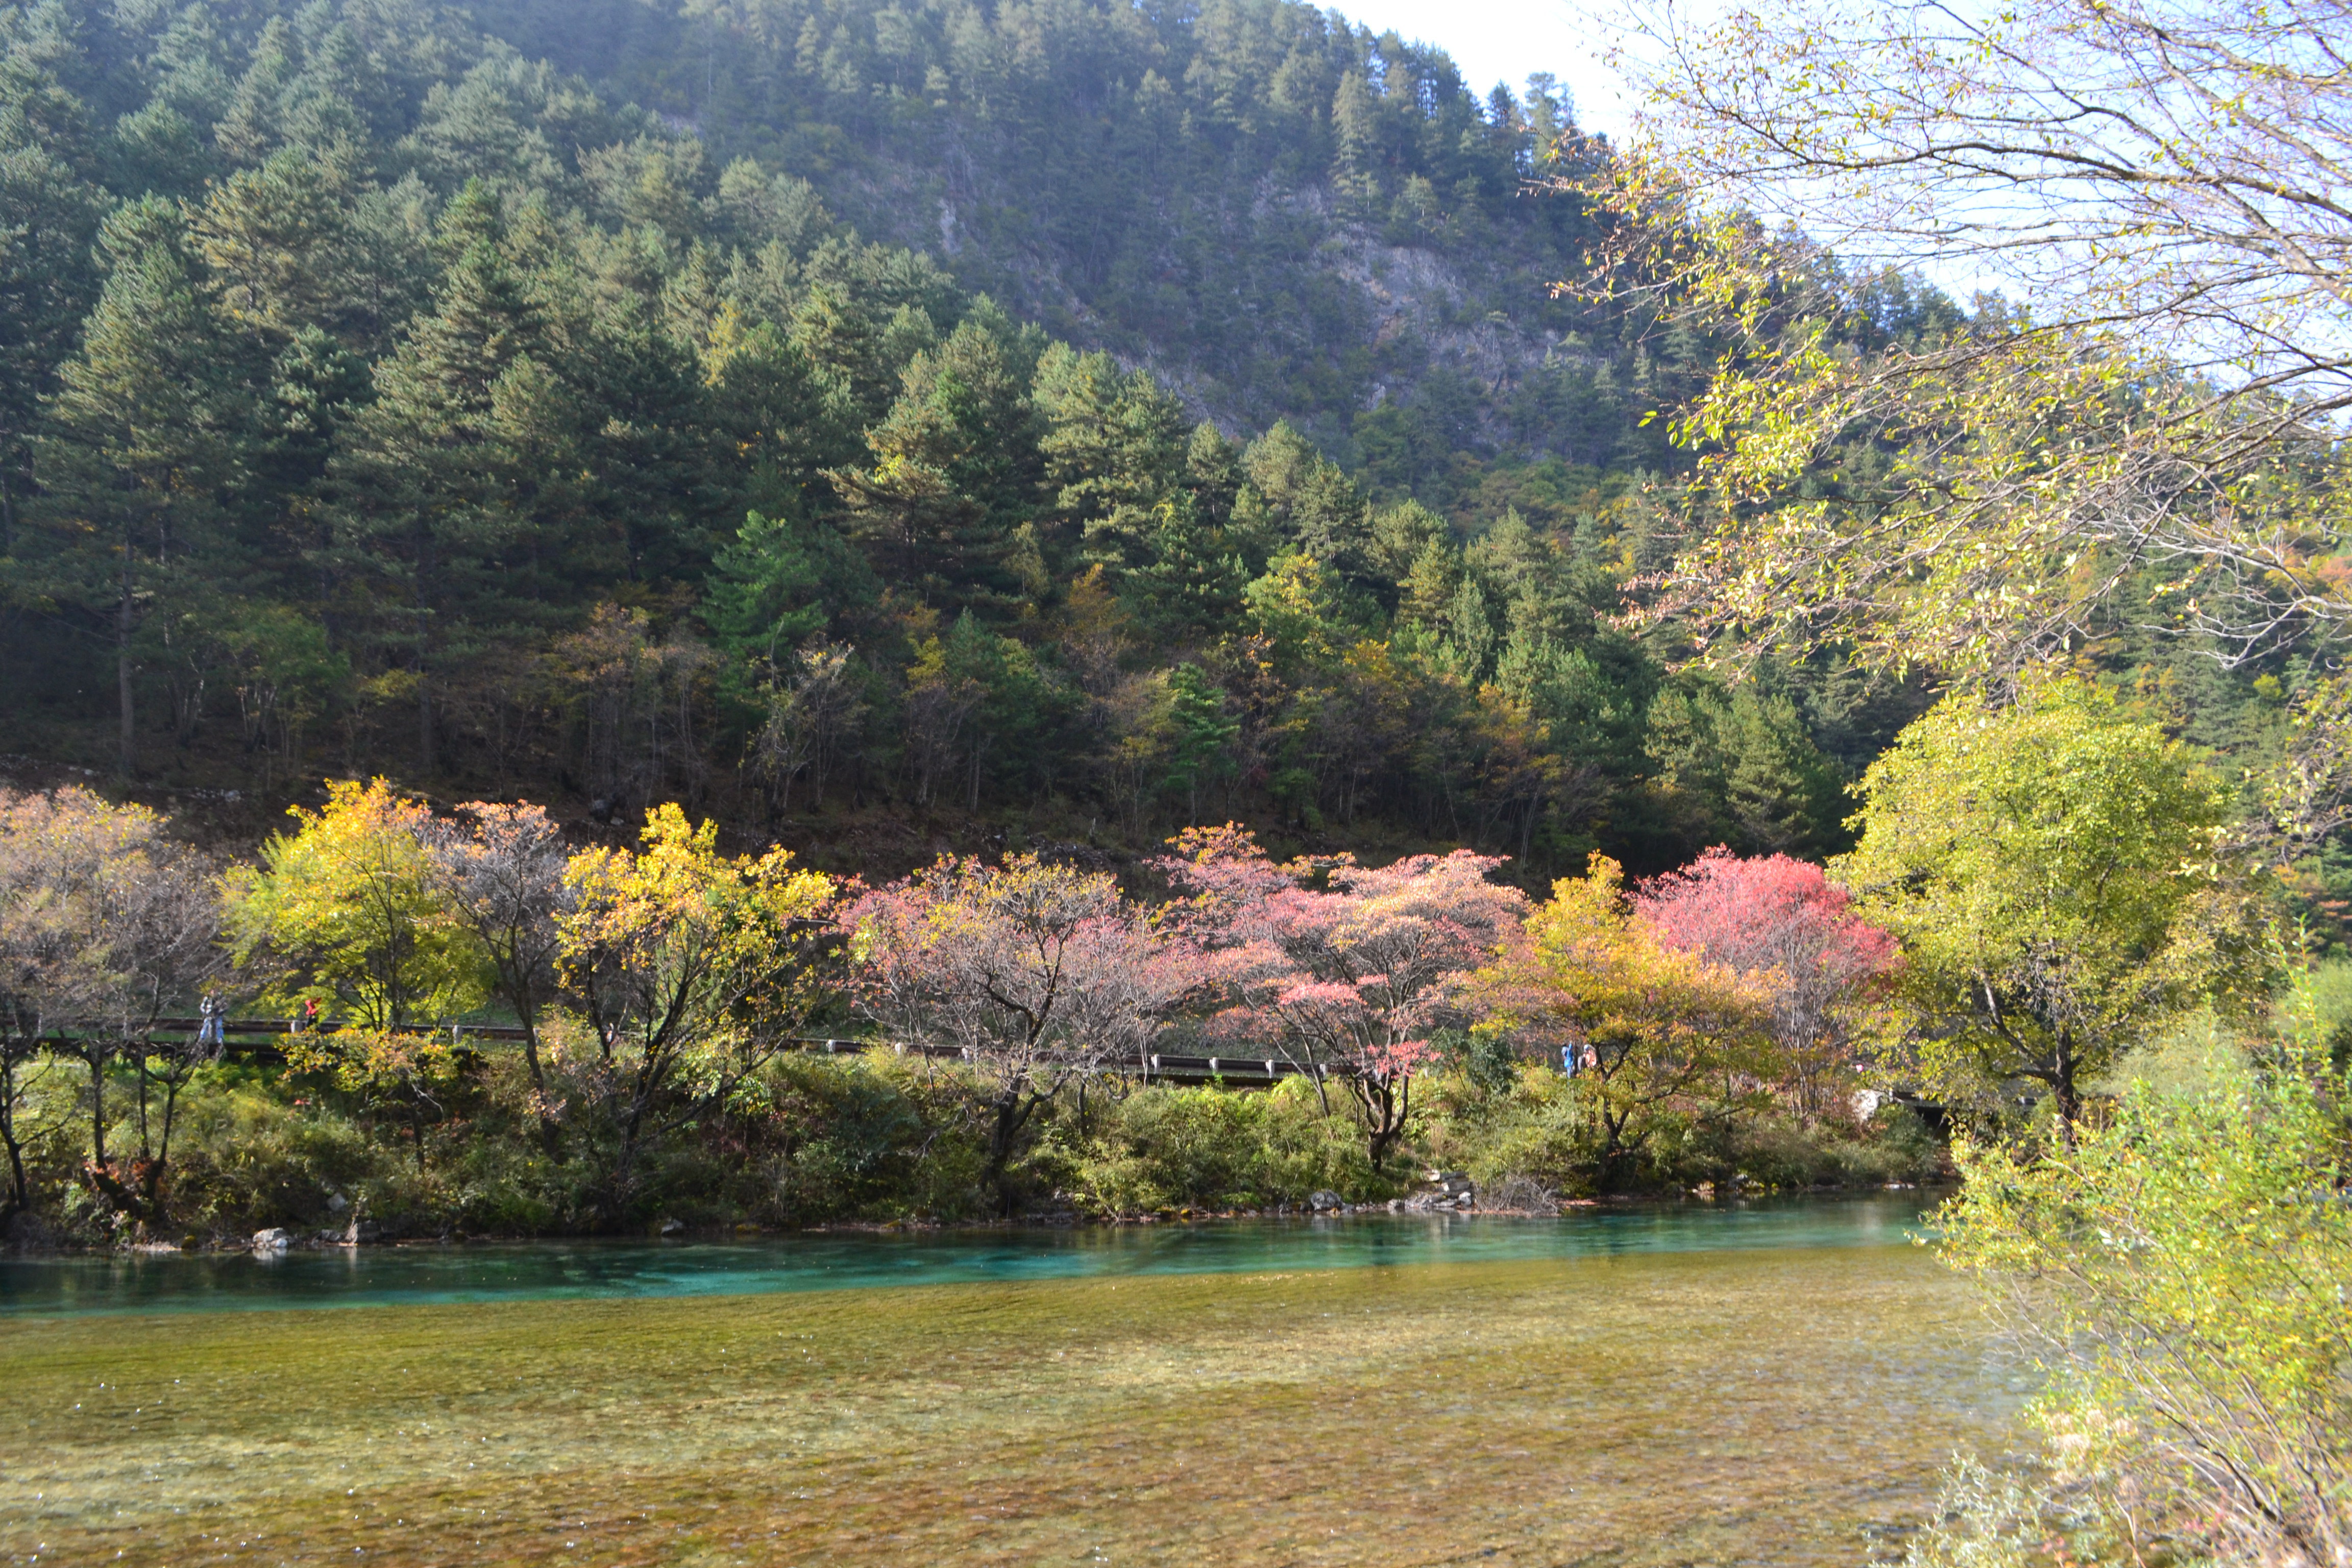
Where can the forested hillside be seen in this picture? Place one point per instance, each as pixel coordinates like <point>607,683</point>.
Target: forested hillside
<point>1282,216</point>
<point>872,425</point>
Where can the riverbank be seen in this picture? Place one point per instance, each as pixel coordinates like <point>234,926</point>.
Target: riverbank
<point>820,1140</point>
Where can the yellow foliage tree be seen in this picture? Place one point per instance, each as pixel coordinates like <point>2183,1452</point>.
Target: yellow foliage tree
<point>2058,876</point>
<point>693,967</point>
<point>351,911</point>
<point>1645,1023</point>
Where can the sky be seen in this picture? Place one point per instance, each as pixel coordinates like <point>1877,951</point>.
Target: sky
<point>1504,40</point>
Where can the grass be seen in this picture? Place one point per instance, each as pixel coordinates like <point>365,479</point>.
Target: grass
<point>1676,1408</point>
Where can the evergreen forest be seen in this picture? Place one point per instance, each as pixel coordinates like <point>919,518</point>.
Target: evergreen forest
<point>876,427</point>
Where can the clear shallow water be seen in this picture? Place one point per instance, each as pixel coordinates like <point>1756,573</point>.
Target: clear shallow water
<point>587,1271</point>
<point>1775,1384</point>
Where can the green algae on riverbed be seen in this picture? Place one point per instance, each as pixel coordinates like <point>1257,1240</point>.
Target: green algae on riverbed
<point>1787,1406</point>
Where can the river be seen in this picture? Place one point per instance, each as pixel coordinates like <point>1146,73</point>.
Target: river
<point>1768,1383</point>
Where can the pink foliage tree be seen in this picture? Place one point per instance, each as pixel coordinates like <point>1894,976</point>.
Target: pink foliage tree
<point>1784,923</point>
<point>1344,969</point>
<point>1039,974</point>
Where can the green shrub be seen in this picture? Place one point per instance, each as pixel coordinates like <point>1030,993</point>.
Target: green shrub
<point>2184,1268</point>
<point>1538,1127</point>
<point>816,1140</point>
<point>246,1158</point>
<point>1165,1148</point>
<point>866,1137</point>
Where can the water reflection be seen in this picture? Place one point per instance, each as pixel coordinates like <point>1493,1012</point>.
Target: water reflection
<point>588,1269</point>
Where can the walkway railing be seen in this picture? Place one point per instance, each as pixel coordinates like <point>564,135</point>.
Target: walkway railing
<point>238,1035</point>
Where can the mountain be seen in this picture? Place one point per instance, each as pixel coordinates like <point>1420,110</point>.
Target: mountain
<point>1282,216</point>
<point>880,425</point>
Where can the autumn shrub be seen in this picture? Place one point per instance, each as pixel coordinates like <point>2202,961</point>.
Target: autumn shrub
<point>253,1158</point>
<point>1999,1519</point>
<point>862,1137</point>
<point>2183,1271</point>
<point>1167,1148</point>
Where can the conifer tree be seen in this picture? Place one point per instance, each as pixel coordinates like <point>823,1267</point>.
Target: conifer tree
<point>955,472</point>
<point>430,527</point>
<point>47,218</point>
<point>1355,133</point>
<point>141,442</point>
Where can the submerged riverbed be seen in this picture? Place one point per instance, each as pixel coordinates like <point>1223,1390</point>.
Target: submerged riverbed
<point>1778,1384</point>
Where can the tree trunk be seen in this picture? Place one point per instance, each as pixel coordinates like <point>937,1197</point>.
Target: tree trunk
<point>548,1131</point>
<point>152,1179</point>
<point>97,1109</point>
<point>425,758</point>
<point>101,1169</point>
<point>18,1197</point>
<point>125,618</point>
<point>2068,1098</point>
<point>1613,1151</point>
<point>1387,1108</point>
<point>1011,1110</point>
<point>647,1083</point>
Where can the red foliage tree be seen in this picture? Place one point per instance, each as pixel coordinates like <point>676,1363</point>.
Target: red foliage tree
<point>1782,923</point>
<point>1347,970</point>
<point>1038,973</point>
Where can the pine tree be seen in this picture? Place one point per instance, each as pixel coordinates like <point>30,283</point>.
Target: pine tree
<point>48,214</point>
<point>278,249</point>
<point>778,584</point>
<point>955,473</point>
<point>140,441</point>
<point>432,527</point>
<point>47,219</point>
<point>777,429</point>
<point>1355,135</point>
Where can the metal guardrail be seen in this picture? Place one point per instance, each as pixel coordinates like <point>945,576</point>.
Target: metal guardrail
<point>248,1027</point>
<point>1196,1069</point>
<point>1243,1071</point>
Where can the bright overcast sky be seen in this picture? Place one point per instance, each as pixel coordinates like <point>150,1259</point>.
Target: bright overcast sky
<point>1506,40</point>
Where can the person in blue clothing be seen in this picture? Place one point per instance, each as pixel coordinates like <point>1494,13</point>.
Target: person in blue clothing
<point>208,1022</point>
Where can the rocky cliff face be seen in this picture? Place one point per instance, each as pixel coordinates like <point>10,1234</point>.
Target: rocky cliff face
<point>1282,216</point>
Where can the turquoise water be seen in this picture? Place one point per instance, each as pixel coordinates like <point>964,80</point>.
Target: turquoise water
<point>480,1272</point>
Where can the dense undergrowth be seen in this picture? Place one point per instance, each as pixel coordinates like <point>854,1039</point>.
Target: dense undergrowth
<point>883,1139</point>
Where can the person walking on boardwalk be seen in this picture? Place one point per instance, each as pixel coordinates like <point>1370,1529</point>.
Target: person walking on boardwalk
<point>208,1023</point>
